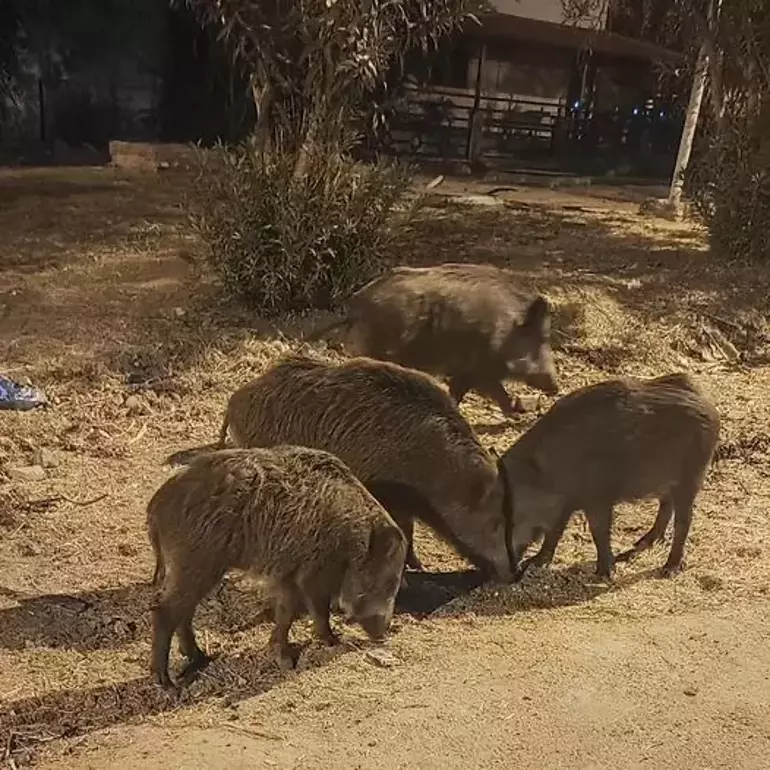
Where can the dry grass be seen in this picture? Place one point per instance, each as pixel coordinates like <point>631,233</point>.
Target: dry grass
<point>99,305</point>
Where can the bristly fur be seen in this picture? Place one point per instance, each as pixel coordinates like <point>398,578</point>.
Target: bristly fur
<point>470,323</point>
<point>295,516</point>
<point>269,510</point>
<point>621,440</point>
<point>395,428</point>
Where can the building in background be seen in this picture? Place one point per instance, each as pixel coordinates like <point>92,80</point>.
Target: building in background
<point>524,89</point>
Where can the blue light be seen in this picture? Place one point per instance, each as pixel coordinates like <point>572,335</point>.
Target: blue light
<point>636,111</point>
<point>576,105</point>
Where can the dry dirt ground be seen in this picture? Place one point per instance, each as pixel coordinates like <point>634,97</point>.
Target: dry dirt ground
<point>101,305</point>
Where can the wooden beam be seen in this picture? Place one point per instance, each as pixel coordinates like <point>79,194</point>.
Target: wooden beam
<point>474,122</point>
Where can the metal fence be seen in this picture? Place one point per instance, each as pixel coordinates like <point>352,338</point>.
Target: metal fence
<point>437,123</point>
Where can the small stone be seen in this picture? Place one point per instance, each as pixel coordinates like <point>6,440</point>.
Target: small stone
<point>28,549</point>
<point>126,549</point>
<point>134,405</point>
<point>27,473</point>
<point>381,658</point>
<point>46,458</point>
<point>179,312</point>
<point>527,404</point>
<point>691,692</point>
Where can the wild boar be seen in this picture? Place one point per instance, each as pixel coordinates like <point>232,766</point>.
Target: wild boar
<point>621,440</point>
<point>295,516</point>
<point>396,429</point>
<point>469,323</point>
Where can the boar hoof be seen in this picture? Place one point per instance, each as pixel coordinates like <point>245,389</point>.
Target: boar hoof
<point>193,667</point>
<point>538,560</point>
<point>284,659</point>
<point>518,575</point>
<point>329,638</point>
<point>163,680</point>
<point>626,557</point>
<point>670,570</point>
<point>604,573</point>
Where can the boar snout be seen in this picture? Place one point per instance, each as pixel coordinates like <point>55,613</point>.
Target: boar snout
<point>376,626</point>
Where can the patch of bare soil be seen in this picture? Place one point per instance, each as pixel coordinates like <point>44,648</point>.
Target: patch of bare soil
<point>101,305</point>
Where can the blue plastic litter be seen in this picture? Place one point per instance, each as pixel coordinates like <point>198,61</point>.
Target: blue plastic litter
<point>14,395</point>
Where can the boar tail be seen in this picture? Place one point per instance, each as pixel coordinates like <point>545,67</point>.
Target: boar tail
<point>160,567</point>
<point>223,432</point>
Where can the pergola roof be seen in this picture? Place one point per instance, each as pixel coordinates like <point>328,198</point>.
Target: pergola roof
<point>505,26</point>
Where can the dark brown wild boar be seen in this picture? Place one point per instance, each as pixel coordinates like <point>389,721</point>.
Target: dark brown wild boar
<point>396,429</point>
<point>295,516</point>
<point>468,323</point>
<point>621,440</point>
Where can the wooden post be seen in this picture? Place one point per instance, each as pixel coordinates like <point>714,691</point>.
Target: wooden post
<point>474,124</point>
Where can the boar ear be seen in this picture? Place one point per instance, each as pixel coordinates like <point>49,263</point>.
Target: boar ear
<point>538,315</point>
<point>385,541</point>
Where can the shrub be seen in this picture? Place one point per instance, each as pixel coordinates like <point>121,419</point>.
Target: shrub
<point>729,184</point>
<point>283,242</point>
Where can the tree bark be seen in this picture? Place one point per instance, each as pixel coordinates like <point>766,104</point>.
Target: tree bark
<point>688,132</point>
<point>263,97</point>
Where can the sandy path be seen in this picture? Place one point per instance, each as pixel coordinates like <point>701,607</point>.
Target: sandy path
<point>681,692</point>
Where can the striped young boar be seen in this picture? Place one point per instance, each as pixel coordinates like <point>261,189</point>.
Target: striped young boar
<point>468,323</point>
<point>397,430</point>
<point>622,440</point>
<point>295,516</point>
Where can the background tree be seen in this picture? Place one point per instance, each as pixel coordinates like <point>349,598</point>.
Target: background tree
<point>290,219</point>
<point>727,47</point>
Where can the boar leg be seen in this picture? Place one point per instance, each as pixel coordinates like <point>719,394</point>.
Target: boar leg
<point>544,556</point>
<point>318,603</point>
<point>188,646</point>
<point>683,503</point>
<point>655,535</point>
<point>406,523</point>
<point>163,626</point>
<point>286,607</point>
<point>499,395</point>
<point>600,524</point>
<point>175,607</point>
<point>398,503</point>
<point>458,387</point>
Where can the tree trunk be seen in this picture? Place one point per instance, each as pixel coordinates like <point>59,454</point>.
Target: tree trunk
<point>714,56</point>
<point>688,132</point>
<point>263,97</point>
<point>308,146</point>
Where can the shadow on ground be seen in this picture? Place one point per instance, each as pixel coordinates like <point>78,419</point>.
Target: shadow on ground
<point>550,247</point>
<point>116,617</point>
<point>31,721</point>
